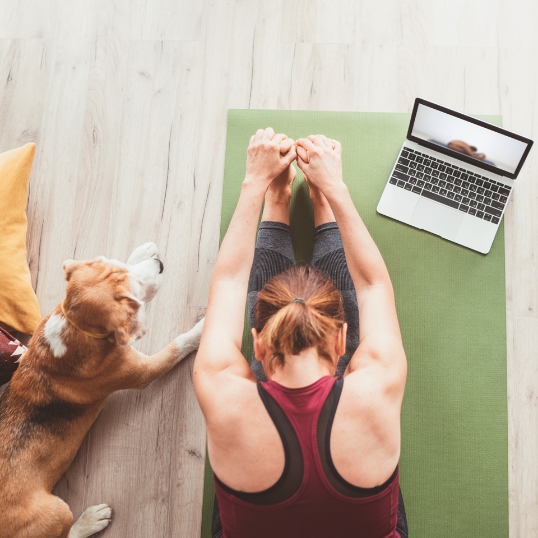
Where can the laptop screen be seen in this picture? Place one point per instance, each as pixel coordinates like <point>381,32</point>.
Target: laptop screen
<point>474,141</point>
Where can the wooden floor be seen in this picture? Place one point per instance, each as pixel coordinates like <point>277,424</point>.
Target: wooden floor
<point>127,101</point>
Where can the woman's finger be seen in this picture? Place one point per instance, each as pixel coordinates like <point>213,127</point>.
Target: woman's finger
<point>337,147</point>
<point>252,139</point>
<point>268,133</point>
<point>259,134</point>
<point>286,145</point>
<point>306,143</point>
<point>302,153</point>
<point>290,156</point>
<point>326,142</point>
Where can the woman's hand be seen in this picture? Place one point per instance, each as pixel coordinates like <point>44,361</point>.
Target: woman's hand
<point>268,156</point>
<point>320,159</point>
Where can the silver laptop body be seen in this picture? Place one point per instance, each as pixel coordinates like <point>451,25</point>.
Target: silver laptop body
<point>454,176</point>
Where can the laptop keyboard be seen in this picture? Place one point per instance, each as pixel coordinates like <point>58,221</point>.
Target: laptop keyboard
<point>450,185</point>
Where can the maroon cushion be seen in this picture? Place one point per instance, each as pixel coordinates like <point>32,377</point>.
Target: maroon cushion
<point>11,351</point>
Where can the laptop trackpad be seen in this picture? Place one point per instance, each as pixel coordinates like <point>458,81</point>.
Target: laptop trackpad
<point>437,218</point>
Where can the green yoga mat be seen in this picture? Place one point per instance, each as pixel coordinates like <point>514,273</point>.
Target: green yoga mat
<point>452,311</point>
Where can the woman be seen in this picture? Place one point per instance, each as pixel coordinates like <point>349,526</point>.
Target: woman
<point>307,453</point>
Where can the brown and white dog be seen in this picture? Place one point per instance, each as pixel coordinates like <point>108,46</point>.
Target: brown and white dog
<point>78,356</point>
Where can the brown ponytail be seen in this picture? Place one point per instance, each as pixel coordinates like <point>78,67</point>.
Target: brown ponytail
<point>285,326</point>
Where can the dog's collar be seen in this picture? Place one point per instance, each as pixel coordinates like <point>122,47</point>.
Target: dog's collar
<point>91,335</point>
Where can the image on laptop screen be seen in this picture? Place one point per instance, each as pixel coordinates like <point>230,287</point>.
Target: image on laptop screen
<point>462,136</point>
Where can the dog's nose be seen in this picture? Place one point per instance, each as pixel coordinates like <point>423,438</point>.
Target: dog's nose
<point>161,266</point>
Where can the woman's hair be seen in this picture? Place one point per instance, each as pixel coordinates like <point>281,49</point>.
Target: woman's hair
<point>285,326</point>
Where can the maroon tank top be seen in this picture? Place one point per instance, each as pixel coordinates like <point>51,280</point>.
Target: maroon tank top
<point>310,499</point>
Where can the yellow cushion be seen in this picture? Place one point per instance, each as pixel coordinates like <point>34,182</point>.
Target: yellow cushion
<point>19,308</point>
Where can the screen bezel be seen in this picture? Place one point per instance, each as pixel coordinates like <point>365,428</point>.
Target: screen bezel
<point>462,156</point>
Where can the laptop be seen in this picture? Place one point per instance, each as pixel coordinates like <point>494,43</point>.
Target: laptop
<point>454,176</point>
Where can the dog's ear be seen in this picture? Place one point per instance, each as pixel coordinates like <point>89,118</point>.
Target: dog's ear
<point>127,322</point>
<point>69,266</point>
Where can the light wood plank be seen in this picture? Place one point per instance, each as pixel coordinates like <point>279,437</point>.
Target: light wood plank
<point>523,428</point>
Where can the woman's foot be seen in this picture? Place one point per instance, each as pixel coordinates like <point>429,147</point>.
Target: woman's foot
<point>322,210</point>
<point>277,198</point>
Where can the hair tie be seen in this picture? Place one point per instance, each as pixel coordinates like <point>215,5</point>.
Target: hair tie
<point>298,300</point>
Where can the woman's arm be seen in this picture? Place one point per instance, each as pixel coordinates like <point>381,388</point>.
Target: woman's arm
<point>268,155</point>
<point>381,342</point>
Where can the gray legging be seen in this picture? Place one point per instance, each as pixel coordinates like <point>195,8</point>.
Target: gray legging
<point>273,255</point>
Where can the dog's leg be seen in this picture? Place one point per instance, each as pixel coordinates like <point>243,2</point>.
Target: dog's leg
<point>141,370</point>
<point>92,520</point>
<point>143,252</point>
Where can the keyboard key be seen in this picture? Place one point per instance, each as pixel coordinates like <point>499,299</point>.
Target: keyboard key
<point>487,201</point>
<point>421,168</point>
<point>480,214</point>
<point>405,153</point>
<point>400,175</point>
<point>465,200</point>
<point>442,168</point>
<point>428,170</point>
<point>417,190</point>
<point>413,165</point>
<point>403,161</point>
<point>442,184</point>
<point>495,220</point>
<point>420,175</point>
<point>479,197</point>
<point>435,165</point>
<point>495,188</point>
<point>487,217</point>
<point>465,184</point>
<point>401,183</point>
<point>428,187</point>
<point>457,181</point>
<point>456,173</point>
<point>472,211</point>
<point>442,175</point>
<point>503,199</point>
<point>481,206</point>
<point>449,171</point>
<point>420,183</point>
<point>456,189</point>
<point>473,203</point>
<point>435,188</point>
<point>435,173</point>
<point>504,190</point>
<point>407,187</point>
<point>464,176</point>
<point>487,185</point>
<point>458,197</point>
<point>464,208</point>
<point>440,199</point>
<point>419,159</point>
<point>427,162</point>
<point>451,195</point>
<point>480,190</point>
<point>443,192</point>
<point>492,211</point>
<point>472,188</point>
<point>411,157</point>
<point>401,168</point>
<point>478,182</point>
<point>434,180</point>
<point>465,192</point>
<point>393,180</point>
<point>496,196</point>
<point>498,205</point>
<point>412,180</point>
<point>472,195</point>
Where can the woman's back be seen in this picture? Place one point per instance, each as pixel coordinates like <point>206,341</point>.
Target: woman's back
<point>310,496</point>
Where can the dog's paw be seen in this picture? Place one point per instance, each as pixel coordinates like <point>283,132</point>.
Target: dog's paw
<point>92,520</point>
<point>143,252</point>
<point>190,341</point>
